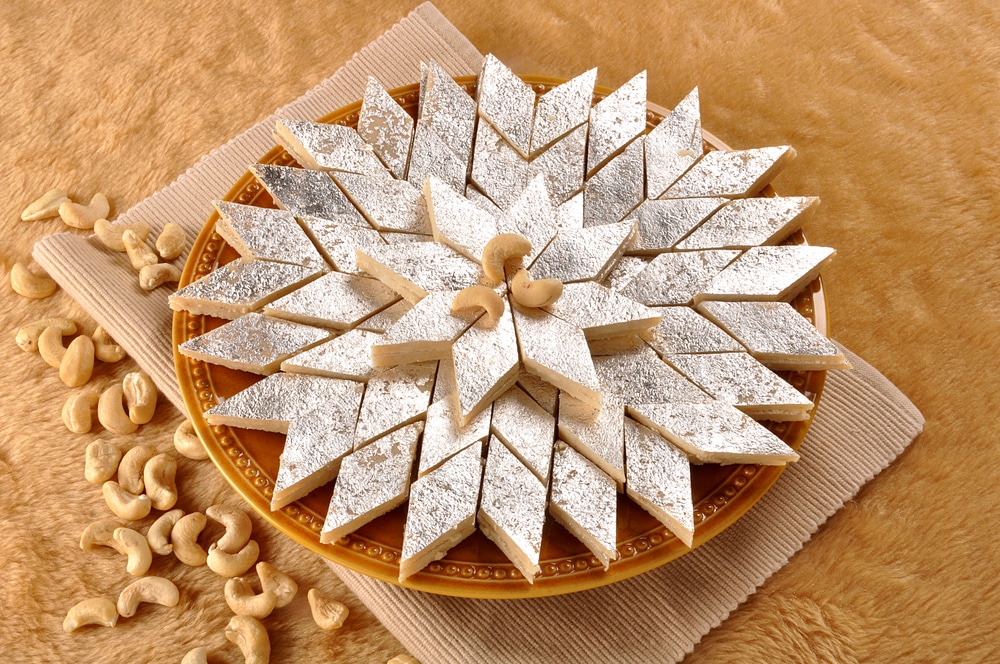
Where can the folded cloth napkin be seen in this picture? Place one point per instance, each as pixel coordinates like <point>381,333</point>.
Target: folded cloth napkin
<point>862,425</point>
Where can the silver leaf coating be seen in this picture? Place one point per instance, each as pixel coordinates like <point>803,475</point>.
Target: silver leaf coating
<point>426,332</point>
<point>624,271</point>
<point>443,437</point>
<point>586,254</point>
<point>676,277</point>
<point>640,376</point>
<point>334,300</point>
<point>526,428</point>
<point>329,147</point>
<point>532,215</point>
<point>450,112</point>
<point>662,223</point>
<point>386,318</point>
<point>731,174</point>
<point>486,364</point>
<point>339,238</point>
<point>747,222</point>
<point>432,156</point>
<point>684,330</point>
<point>601,312</point>
<point>569,214</point>
<point>498,169</point>
<point>563,165</point>
<point>394,397</point>
<point>417,268</point>
<point>506,102</point>
<point>596,434</point>
<point>557,352</point>
<point>767,273</point>
<point>673,145</point>
<point>456,221</point>
<point>348,356</point>
<point>616,120</point>
<point>266,234</point>
<point>389,205</point>
<point>562,109</point>
<point>544,393</point>
<point>304,192</point>
<point>585,501</point>
<point>614,191</point>
<point>386,126</point>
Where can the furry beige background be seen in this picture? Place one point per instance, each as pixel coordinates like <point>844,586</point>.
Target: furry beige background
<point>892,107</point>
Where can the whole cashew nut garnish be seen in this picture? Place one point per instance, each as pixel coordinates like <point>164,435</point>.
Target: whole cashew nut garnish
<point>540,293</point>
<point>251,637</point>
<point>159,477</point>
<point>499,250</point>
<point>149,589</point>
<point>244,602</point>
<point>158,534</point>
<point>474,298</point>
<point>124,504</point>
<point>184,537</point>
<point>237,523</point>
<point>232,564</point>
<point>93,611</point>
<point>134,545</point>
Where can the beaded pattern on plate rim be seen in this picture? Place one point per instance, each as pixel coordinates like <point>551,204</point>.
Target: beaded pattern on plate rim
<point>312,523</point>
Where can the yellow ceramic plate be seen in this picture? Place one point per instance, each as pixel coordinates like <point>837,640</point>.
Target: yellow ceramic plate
<point>475,568</point>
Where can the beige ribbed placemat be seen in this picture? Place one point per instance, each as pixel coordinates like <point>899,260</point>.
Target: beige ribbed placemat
<point>863,423</point>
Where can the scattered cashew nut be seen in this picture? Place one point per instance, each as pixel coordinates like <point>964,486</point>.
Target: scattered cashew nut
<point>76,412</point>
<point>276,581</point>
<point>197,655</point>
<point>539,293</point>
<point>470,300</point>
<point>136,547</point>
<point>131,467</point>
<point>45,206</point>
<point>126,505</point>
<point>232,564</point>
<point>77,365</point>
<point>237,524</point>
<point>251,637</point>
<point>77,215</point>
<point>27,336</point>
<point>105,348</point>
<point>100,533</point>
<point>500,249</point>
<point>29,284</point>
<point>93,611</point>
<point>139,253</point>
<point>159,476</point>
<point>184,537</point>
<point>111,412</point>
<point>50,346</point>
<point>102,461</point>
<point>140,395</point>
<point>110,234</point>
<point>149,589</point>
<point>152,276</point>
<point>328,614</point>
<point>187,443</point>
<point>158,534</point>
<point>171,242</point>
<point>244,602</point>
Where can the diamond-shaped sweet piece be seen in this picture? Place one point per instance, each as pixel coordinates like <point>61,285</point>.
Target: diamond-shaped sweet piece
<point>776,335</point>
<point>526,429</point>
<point>545,394</point>
<point>640,376</point>
<point>662,223</point>
<point>658,478</point>
<point>614,191</point>
<point>456,221</point>
<point>507,103</point>
<point>586,254</point>
<point>616,120</point>
<point>348,356</point>
<point>676,277</point>
<point>600,312</point>
<point>432,156</point>
<point>767,273</point>
<point>443,437</point>
<point>532,215</point>
<point>338,238</point>
<point>569,214</point>
<point>270,404</point>
<point>372,481</point>
<point>738,379</point>
<point>316,443</point>
<point>386,318</point>
<point>486,363</point>
<point>731,174</point>
<point>585,502</point>
<point>334,300</point>
<point>236,288</point>
<point>684,330</point>
<point>563,165</point>
<point>596,434</point>
<point>557,352</point>
<point>562,109</point>
<point>625,270</point>
<point>417,268</point>
<point>389,205</point>
<point>748,222</point>
<point>426,332</point>
<point>714,432</point>
<point>512,509</point>
<point>253,343</point>
<point>266,234</point>
<point>394,397</point>
<point>449,112</point>
<point>442,510</point>
<point>386,126</point>
<point>673,145</point>
<point>329,147</point>
<point>305,192</point>
<point>498,169</point>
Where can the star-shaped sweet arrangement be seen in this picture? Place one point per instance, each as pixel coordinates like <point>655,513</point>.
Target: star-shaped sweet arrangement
<point>508,307</point>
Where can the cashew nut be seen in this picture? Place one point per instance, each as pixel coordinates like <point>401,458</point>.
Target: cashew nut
<point>171,242</point>
<point>470,300</point>
<point>77,365</point>
<point>159,476</point>
<point>100,533</point>
<point>241,599</point>
<point>84,216</point>
<point>138,251</point>
<point>110,234</point>
<point>251,637</point>
<point>403,659</point>
<point>50,346</point>
<point>111,412</point>
<point>105,348</point>
<point>150,589</point>
<point>46,206</point>
<point>29,284</point>
<point>158,534</point>
<point>27,336</point>
<point>93,611</point>
<point>152,276</point>
<point>237,524</point>
<point>197,655</point>
<point>500,249</point>
<point>232,564</point>
<point>76,412</point>
<point>102,461</point>
<point>126,505</point>
<point>328,614</point>
<point>134,545</point>
<point>187,443</point>
<point>273,579</point>
<point>130,469</point>
<point>184,537</point>
<point>140,395</point>
<point>540,293</point>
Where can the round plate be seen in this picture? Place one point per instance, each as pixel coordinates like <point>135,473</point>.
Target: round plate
<point>248,459</point>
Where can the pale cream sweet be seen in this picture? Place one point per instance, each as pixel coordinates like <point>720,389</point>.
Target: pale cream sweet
<point>673,145</point>
<point>527,430</point>
<point>585,501</point>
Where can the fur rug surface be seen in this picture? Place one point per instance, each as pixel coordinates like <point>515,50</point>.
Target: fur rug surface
<point>892,107</point>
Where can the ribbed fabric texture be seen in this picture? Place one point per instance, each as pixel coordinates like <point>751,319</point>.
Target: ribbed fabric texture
<point>863,423</point>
